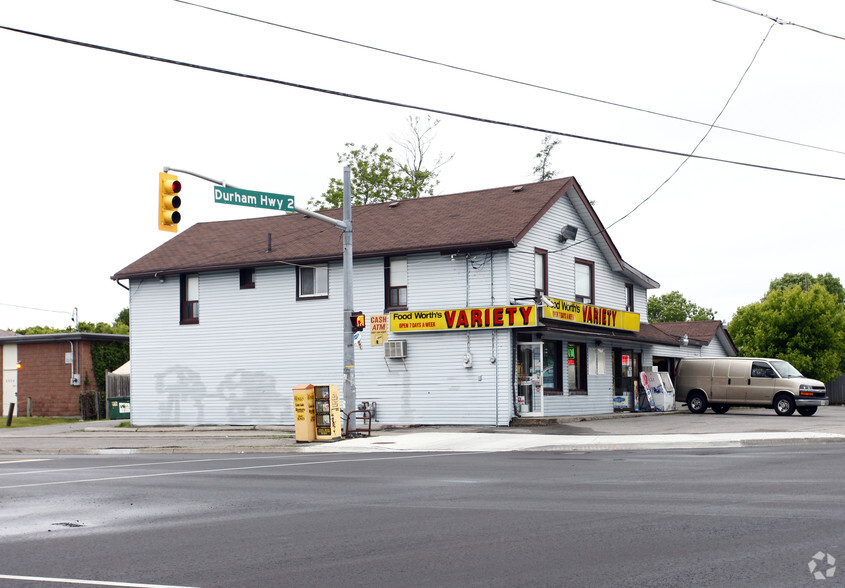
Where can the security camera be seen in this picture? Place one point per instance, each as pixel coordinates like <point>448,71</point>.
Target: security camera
<point>547,302</point>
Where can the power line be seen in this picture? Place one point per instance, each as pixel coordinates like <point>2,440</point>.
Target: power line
<point>385,102</point>
<point>686,159</point>
<point>509,80</point>
<point>33,308</point>
<point>777,20</point>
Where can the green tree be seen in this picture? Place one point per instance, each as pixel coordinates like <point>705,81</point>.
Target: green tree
<point>377,176</point>
<point>416,144</point>
<point>122,318</point>
<point>804,327</point>
<point>107,357</point>
<point>119,327</point>
<point>542,171</point>
<point>673,307</point>
<point>805,280</point>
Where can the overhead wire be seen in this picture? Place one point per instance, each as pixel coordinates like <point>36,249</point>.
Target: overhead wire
<point>686,159</point>
<point>779,20</point>
<point>504,78</point>
<point>395,103</point>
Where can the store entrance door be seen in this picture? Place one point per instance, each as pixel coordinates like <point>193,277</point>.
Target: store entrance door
<point>529,379</point>
<point>626,374</point>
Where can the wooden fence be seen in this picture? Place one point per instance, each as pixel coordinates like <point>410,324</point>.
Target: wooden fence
<point>836,390</point>
<point>117,385</point>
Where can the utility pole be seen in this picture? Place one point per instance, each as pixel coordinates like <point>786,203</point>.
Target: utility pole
<point>349,392</point>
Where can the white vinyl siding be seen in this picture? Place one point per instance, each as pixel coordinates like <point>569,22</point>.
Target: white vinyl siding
<point>240,364</point>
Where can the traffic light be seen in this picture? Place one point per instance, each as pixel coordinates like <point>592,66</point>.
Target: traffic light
<point>168,201</point>
<point>358,321</point>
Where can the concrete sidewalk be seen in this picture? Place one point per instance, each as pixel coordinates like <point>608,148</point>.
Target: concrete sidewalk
<point>625,431</point>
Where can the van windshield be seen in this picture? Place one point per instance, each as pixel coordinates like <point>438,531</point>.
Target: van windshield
<point>785,369</point>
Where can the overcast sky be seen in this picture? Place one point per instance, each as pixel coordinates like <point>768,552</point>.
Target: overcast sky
<point>85,132</point>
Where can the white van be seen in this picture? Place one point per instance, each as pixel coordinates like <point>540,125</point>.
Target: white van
<point>722,382</point>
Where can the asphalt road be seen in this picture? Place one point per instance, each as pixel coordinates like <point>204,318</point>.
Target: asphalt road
<point>754,516</point>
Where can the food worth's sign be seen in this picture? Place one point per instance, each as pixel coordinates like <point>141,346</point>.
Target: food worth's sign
<point>491,317</point>
<point>587,314</point>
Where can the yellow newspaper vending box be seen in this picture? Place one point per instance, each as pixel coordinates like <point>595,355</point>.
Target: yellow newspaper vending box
<point>303,410</point>
<point>327,410</point>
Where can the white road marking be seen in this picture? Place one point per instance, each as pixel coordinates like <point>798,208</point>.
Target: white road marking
<point>87,582</point>
<point>232,469</point>
<point>132,465</point>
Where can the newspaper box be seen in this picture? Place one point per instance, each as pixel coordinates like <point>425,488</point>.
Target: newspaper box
<point>303,410</point>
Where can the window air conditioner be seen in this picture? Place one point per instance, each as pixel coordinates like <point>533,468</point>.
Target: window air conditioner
<point>396,349</point>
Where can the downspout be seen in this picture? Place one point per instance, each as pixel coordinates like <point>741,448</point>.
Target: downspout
<point>512,339</point>
<point>468,356</point>
<point>72,364</point>
<point>493,341</point>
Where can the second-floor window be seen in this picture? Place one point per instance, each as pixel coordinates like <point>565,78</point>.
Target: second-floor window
<point>584,282</point>
<point>541,271</point>
<point>396,282</point>
<point>189,299</point>
<point>312,281</point>
<point>247,278</point>
<point>629,297</point>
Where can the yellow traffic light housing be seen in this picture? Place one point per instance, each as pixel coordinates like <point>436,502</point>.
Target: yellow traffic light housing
<point>169,201</point>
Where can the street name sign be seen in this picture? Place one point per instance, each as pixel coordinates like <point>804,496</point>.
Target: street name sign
<point>229,195</point>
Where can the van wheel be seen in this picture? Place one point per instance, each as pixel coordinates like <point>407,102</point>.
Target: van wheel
<point>720,408</point>
<point>697,403</point>
<point>784,405</point>
<point>807,410</point>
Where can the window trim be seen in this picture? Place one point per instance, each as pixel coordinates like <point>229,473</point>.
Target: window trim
<point>582,370</point>
<point>544,254</point>
<point>315,267</point>
<point>388,288</point>
<point>189,313</point>
<point>592,266</point>
<point>247,278</point>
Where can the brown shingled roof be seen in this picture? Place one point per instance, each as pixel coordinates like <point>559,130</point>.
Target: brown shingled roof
<point>493,218</point>
<point>699,332</point>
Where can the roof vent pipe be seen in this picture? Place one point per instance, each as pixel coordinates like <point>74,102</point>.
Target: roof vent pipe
<point>269,243</point>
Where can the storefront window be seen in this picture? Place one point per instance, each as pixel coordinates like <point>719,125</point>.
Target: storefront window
<point>552,371</point>
<point>577,363</point>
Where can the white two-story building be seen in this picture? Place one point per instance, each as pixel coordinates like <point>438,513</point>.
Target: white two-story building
<point>480,308</point>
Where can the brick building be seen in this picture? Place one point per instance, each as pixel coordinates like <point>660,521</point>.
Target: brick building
<point>43,375</point>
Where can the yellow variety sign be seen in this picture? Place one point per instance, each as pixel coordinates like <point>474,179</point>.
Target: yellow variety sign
<point>491,317</point>
<point>577,312</point>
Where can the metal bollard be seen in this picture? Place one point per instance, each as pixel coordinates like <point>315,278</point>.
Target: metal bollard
<point>11,412</point>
